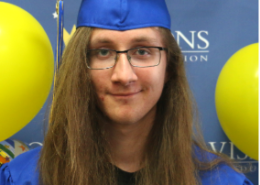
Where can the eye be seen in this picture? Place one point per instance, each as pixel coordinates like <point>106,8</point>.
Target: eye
<point>142,51</point>
<point>103,52</point>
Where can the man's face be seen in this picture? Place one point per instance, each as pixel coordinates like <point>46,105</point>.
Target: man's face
<point>128,94</point>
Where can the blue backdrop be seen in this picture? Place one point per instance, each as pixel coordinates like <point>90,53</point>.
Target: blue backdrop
<point>208,32</point>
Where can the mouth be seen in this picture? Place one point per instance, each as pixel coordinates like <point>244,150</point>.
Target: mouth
<point>125,95</point>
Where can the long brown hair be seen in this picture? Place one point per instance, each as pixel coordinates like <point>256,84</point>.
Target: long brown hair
<point>75,149</point>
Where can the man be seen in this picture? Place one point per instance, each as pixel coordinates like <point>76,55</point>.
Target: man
<point>122,112</point>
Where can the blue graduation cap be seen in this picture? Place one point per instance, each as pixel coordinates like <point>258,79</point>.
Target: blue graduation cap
<point>123,14</point>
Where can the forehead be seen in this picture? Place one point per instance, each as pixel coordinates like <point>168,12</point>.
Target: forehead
<point>150,36</point>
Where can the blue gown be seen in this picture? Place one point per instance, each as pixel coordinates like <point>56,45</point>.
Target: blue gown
<point>22,171</point>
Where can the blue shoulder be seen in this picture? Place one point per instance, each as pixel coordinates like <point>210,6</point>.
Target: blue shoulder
<point>222,174</point>
<point>22,170</point>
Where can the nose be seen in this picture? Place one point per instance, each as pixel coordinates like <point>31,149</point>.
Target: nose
<point>123,71</point>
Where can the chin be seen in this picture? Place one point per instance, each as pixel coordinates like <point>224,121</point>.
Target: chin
<point>126,120</point>
<point>131,116</point>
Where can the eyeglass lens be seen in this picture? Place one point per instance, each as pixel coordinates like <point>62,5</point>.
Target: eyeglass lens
<point>138,57</point>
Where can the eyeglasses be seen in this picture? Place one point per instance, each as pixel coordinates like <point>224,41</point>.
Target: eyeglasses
<point>99,59</point>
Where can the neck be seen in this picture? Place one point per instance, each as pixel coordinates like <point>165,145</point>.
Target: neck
<point>128,142</point>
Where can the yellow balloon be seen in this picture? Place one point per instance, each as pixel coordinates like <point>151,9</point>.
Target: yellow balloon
<point>237,99</point>
<point>26,68</point>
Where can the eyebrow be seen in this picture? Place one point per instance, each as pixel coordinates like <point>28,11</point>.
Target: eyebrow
<point>134,40</point>
<point>102,40</point>
<point>144,39</point>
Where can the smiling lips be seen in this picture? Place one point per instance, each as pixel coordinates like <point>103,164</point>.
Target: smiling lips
<point>125,95</point>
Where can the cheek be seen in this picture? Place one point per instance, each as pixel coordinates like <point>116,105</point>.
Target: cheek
<point>99,88</point>
<point>99,82</point>
<point>155,78</point>
<point>101,98</point>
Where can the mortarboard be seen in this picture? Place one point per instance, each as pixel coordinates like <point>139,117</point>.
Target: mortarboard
<point>123,14</point>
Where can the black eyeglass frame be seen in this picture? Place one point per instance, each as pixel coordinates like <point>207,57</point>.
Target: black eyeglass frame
<point>126,51</point>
